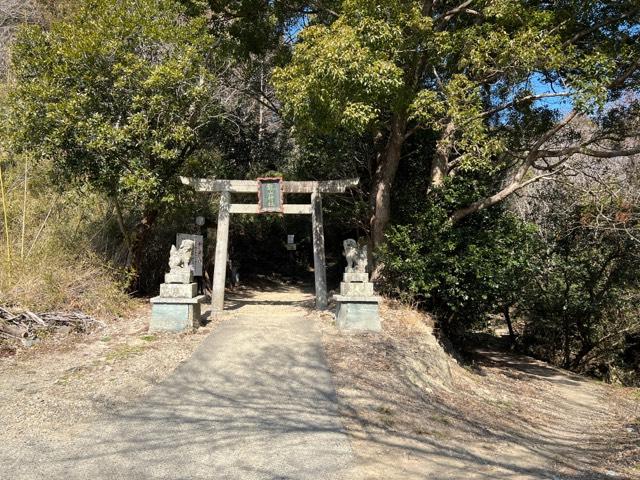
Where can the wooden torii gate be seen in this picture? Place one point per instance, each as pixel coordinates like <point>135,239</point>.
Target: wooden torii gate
<point>270,193</point>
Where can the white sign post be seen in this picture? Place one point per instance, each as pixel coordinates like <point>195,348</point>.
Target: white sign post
<point>291,244</point>
<point>198,256</point>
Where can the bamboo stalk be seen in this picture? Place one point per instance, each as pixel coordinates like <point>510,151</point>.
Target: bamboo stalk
<point>4,212</point>
<point>24,209</point>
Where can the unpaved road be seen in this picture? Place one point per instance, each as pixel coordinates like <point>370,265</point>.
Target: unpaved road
<point>414,413</point>
<point>256,400</point>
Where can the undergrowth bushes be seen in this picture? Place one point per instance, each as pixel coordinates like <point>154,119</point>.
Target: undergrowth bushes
<point>56,251</point>
<point>462,273</point>
<point>569,281</point>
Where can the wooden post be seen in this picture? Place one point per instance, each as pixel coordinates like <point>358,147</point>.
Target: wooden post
<point>220,265</point>
<point>319,266</point>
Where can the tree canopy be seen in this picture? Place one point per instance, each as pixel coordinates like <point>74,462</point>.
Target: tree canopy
<point>116,97</point>
<point>480,75</point>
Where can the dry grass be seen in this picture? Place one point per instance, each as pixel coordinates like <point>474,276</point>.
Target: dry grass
<point>56,280</point>
<point>48,258</point>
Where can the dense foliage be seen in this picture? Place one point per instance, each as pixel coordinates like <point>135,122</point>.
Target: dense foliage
<point>464,273</point>
<point>477,74</point>
<point>117,99</point>
<point>581,306</point>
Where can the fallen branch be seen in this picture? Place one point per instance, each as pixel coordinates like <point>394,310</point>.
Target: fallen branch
<point>29,325</point>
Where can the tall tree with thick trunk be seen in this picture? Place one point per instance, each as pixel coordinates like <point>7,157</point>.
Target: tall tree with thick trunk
<point>500,84</point>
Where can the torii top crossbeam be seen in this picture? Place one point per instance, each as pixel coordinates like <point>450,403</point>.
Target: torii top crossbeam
<point>249,186</point>
<point>276,196</point>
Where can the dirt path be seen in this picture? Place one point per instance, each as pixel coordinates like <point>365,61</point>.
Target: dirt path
<point>254,401</point>
<point>410,411</point>
<point>61,386</point>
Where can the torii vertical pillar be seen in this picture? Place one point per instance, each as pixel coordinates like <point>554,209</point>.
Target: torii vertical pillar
<point>319,262</point>
<point>220,265</point>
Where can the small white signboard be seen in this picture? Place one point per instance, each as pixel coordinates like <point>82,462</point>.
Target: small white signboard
<point>290,239</point>
<point>198,255</point>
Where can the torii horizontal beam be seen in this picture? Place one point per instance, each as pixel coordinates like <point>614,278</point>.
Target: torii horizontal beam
<point>287,208</point>
<point>251,186</point>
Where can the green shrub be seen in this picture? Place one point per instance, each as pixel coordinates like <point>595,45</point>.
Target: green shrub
<point>460,272</point>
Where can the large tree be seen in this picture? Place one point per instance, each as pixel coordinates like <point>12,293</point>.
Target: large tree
<point>498,84</point>
<point>117,96</point>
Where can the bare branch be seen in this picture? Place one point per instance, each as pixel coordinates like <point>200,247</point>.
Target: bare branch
<point>518,101</point>
<point>594,28</point>
<point>518,181</point>
<point>619,82</point>
<point>455,11</point>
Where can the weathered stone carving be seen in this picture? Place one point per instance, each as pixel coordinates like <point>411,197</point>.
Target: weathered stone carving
<point>357,304</point>
<point>179,258</point>
<point>356,256</point>
<point>177,308</point>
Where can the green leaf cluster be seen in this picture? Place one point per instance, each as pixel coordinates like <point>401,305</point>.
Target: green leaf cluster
<point>117,95</point>
<point>462,272</point>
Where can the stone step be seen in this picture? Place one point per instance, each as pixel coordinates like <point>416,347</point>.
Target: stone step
<point>178,290</point>
<point>363,289</point>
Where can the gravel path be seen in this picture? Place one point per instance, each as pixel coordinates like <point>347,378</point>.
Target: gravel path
<point>255,401</point>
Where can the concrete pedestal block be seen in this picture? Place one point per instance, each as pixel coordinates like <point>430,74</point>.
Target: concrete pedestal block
<point>175,314</point>
<point>356,288</point>
<point>358,313</point>
<point>179,277</point>
<point>355,277</point>
<point>178,290</point>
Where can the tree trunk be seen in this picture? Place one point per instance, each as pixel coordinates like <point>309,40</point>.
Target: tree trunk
<point>135,241</point>
<point>440,161</point>
<point>507,318</point>
<point>566,363</point>
<point>384,176</point>
<point>582,353</point>
<point>139,242</point>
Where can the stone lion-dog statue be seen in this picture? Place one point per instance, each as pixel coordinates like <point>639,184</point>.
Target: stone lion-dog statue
<point>179,258</point>
<point>356,256</point>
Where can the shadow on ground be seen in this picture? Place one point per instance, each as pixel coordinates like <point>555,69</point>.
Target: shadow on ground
<point>257,401</point>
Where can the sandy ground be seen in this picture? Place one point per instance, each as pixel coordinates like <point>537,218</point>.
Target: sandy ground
<point>61,385</point>
<point>414,413</point>
<point>411,411</point>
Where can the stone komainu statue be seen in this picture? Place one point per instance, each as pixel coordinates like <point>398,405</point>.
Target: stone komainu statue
<point>356,256</point>
<point>179,258</point>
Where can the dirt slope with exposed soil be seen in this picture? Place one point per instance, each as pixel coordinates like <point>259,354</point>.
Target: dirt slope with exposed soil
<point>414,413</point>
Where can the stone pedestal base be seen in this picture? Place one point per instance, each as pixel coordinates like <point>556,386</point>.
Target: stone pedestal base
<point>179,276</point>
<point>175,314</point>
<point>358,313</point>
<point>178,290</point>
<point>358,289</point>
